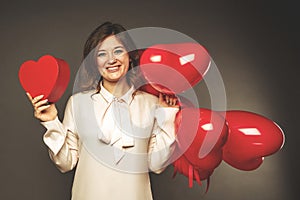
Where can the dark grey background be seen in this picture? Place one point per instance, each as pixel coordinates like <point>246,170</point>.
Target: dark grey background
<point>255,45</point>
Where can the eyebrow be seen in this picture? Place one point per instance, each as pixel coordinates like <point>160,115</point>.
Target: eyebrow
<point>116,47</point>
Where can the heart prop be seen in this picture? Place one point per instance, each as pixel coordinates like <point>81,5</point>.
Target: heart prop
<point>49,76</point>
<point>174,68</point>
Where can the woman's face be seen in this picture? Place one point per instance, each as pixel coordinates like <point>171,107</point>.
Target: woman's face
<point>112,59</point>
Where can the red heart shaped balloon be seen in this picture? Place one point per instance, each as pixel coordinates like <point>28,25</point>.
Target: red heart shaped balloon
<point>174,68</point>
<point>202,145</point>
<point>251,138</point>
<point>185,167</point>
<point>49,76</point>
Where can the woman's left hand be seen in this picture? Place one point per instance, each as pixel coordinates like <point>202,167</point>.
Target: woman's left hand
<point>167,101</point>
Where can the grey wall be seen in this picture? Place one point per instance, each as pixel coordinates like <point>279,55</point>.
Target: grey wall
<point>255,46</point>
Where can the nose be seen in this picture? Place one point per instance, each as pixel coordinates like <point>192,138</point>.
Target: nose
<point>111,59</point>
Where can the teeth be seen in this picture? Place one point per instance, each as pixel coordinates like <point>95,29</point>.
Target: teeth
<point>112,68</point>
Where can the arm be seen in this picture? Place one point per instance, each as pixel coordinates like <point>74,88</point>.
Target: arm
<point>62,140</point>
<point>162,141</point>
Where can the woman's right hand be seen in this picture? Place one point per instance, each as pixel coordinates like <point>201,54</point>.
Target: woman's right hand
<point>43,111</point>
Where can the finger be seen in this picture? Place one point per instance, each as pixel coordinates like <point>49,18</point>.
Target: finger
<point>29,96</point>
<point>40,103</point>
<point>37,98</point>
<point>170,101</point>
<point>173,101</point>
<point>42,108</point>
<point>167,99</point>
<point>160,98</point>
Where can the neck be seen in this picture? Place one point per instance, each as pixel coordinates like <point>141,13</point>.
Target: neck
<point>118,88</point>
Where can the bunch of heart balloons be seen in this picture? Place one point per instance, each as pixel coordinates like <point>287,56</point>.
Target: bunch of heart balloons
<point>206,137</point>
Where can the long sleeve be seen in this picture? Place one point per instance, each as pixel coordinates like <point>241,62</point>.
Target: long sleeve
<point>62,140</point>
<point>161,144</point>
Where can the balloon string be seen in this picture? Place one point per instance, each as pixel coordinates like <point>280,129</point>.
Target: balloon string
<point>197,176</point>
<point>207,185</point>
<point>191,170</point>
<point>175,172</point>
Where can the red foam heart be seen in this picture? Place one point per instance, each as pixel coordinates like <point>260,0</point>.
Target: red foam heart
<point>49,76</point>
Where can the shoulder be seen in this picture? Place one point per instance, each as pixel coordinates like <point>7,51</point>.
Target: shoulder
<point>144,96</point>
<point>87,93</point>
<point>80,96</point>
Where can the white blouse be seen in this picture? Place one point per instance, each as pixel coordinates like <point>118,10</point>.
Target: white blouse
<point>113,142</point>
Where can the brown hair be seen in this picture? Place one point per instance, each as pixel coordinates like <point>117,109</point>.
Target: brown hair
<point>89,76</point>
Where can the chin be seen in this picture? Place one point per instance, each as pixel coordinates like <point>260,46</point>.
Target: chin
<point>115,79</point>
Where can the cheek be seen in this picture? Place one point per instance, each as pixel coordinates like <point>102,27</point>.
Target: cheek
<point>125,61</point>
<point>100,70</point>
<point>100,67</point>
<point>100,64</point>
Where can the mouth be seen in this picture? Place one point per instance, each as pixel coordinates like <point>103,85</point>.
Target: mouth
<point>113,68</point>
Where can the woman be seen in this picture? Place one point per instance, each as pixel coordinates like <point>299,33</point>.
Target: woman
<point>109,87</point>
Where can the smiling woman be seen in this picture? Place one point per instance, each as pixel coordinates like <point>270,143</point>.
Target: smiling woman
<point>134,130</point>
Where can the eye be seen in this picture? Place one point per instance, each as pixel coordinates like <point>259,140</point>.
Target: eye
<point>118,51</point>
<point>101,54</point>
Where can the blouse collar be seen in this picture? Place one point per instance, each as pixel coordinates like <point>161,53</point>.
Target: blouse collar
<point>109,97</point>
